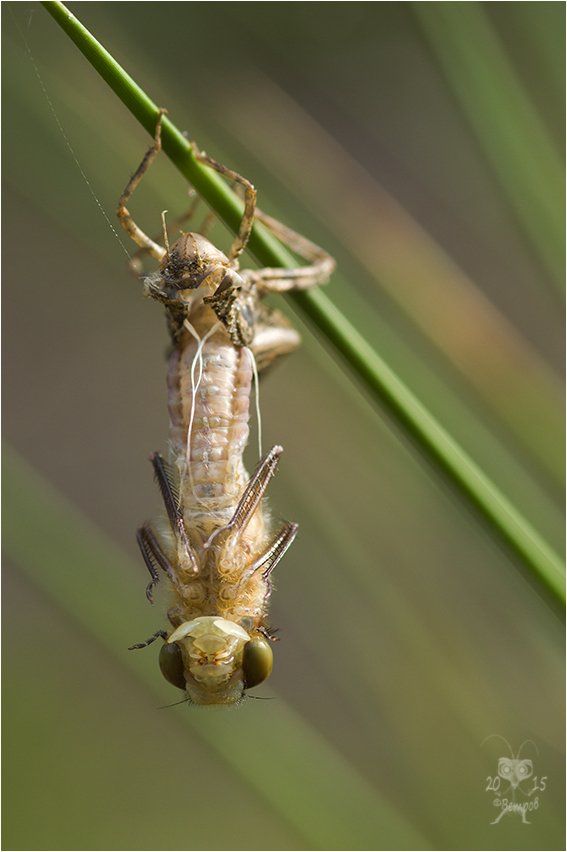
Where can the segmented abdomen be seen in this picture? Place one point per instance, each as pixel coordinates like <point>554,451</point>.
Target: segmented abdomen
<point>208,404</point>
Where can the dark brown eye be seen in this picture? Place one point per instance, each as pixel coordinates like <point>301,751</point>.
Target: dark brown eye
<point>257,661</point>
<point>171,664</point>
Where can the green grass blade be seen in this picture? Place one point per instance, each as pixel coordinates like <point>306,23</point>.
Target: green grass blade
<point>437,444</point>
<point>366,365</point>
<point>506,124</point>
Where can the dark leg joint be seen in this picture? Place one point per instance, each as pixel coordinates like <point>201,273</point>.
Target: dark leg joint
<point>160,634</point>
<point>268,633</point>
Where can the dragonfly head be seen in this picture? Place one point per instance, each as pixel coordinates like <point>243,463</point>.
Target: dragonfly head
<point>190,260</point>
<point>215,660</point>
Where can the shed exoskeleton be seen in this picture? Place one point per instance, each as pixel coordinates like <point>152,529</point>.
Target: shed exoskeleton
<point>216,550</point>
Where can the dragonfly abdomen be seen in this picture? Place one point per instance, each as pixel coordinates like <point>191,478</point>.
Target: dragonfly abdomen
<point>209,396</point>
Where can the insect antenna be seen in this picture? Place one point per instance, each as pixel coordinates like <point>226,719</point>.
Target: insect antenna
<point>260,697</point>
<point>523,744</point>
<point>500,737</point>
<point>185,700</point>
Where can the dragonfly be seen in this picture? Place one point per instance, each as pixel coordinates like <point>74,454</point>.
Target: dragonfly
<point>216,548</point>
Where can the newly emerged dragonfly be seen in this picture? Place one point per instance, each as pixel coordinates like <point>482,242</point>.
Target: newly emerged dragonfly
<point>216,549</point>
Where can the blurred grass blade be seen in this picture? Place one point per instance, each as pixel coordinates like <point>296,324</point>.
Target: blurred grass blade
<point>506,124</point>
<point>315,788</point>
<point>368,367</point>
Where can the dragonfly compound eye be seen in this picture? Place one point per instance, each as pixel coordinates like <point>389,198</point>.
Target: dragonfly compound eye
<point>171,665</point>
<point>257,661</point>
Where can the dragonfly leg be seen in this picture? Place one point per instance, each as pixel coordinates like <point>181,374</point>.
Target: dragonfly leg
<point>170,497</point>
<point>276,280</point>
<point>252,496</point>
<point>154,558</point>
<point>161,634</point>
<point>255,489</point>
<point>123,214</point>
<point>274,337</point>
<point>272,554</point>
<point>268,633</point>
<point>247,220</point>
<point>268,560</point>
<point>236,308</point>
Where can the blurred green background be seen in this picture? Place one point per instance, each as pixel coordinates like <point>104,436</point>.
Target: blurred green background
<point>419,144</point>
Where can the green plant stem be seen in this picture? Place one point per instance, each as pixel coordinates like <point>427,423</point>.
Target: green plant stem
<point>371,371</point>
